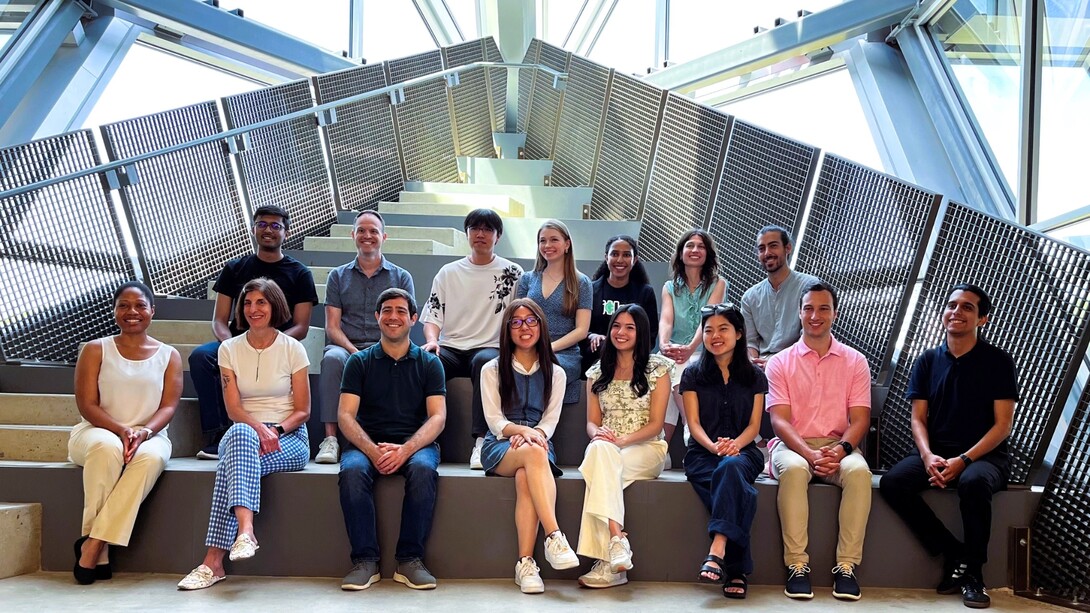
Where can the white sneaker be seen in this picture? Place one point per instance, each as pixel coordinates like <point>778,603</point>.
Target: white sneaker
<point>558,552</point>
<point>475,455</point>
<point>600,576</point>
<point>620,554</point>
<point>329,452</point>
<point>528,576</point>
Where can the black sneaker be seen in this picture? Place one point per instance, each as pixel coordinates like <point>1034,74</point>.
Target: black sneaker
<point>953,575</point>
<point>798,582</point>
<point>211,452</point>
<point>845,586</point>
<point>973,593</point>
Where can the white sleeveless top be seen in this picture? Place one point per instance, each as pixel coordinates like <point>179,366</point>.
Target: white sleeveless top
<point>130,390</point>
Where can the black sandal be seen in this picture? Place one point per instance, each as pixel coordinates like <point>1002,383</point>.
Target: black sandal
<point>718,572</point>
<point>737,581</point>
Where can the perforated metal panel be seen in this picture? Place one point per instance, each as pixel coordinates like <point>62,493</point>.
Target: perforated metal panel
<point>545,101</point>
<point>497,86</point>
<point>1060,543</point>
<point>61,252</point>
<point>195,184</point>
<point>284,165</point>
<point>765,180</point>
<point>866,236</point>
<point>424,120</point>
<point>526,84</point>
<point>1041,291</point>
<point>688,160</point>
<point>628,146</point>
<point>580,127</point>
<point>472,113</point>
<point>362,143</point>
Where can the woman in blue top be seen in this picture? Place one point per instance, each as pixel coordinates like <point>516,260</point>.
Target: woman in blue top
<point>521,393</point>
<point>565,296</point>
<point>724,399</point>
<point>694,282</point>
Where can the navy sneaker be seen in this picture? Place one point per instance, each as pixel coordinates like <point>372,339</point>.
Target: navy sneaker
<point>798,582</point>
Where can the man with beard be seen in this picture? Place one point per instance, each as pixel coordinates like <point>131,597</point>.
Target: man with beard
<point>270,229</point>
<point>772,323</point>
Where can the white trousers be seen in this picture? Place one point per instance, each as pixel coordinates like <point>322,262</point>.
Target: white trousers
<point>112,490</point>
<point>608,470</point>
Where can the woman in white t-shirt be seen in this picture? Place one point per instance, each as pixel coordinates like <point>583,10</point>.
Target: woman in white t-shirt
<point>127,387</point>
<point>267,393</point>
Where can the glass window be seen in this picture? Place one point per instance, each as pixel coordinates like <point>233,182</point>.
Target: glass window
<point>982,44</point>
<point>555,19</point>
<point>323,23</point>
<point>393,29</point>
<point>465,13</point>
<point>1076,234</point>
<point>698,27</point>
<point>13,14</point>
<point>828,95</point>
<point>627,41</point>
<point>149,80</point>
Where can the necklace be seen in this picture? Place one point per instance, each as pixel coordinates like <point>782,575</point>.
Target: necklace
<point>257,371</point>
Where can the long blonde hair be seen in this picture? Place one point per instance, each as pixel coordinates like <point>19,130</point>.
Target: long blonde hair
<point>571,276</point>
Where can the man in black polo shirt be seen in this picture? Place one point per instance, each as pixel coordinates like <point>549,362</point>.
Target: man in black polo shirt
<point>963,394</point>
<point>270,231</point>
<point>393,406</point>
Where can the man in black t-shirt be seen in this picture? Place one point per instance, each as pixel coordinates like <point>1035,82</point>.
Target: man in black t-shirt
<point>270,230</point>
<point>963,394</point>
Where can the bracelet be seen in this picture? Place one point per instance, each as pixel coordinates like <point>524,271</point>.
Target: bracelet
<point>966,459</point>
<point>150,432</point>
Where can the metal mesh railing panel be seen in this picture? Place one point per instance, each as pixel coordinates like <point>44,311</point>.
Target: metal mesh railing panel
<point>684,175</point>
<point>765,180</point>
<point>61,251</point>
<point>628,147</point>
<point>866,235</point>
<point>472,112</point>
<point>1041,291</point>
<point>581,119</point>
<point>362,143</point>
<point>1060,543</point>
<point>545,104</point>
<point>526,84</point>
<point>405,68</point>
<point>497,86</point>
<point>284,164</point>
<point>424,120</point>
<point>186,211</point>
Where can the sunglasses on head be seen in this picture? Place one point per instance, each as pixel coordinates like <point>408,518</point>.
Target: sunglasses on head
<point>718,309</point>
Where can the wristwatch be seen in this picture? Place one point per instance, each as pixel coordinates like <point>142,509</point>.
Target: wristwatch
<point>847,447</point>
<point>150,432</point>
<point>966,459</point>
<point>279,429</point>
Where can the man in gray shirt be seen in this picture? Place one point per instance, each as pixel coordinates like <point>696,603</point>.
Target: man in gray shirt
<point>352,292</point>
<point>770,308</point>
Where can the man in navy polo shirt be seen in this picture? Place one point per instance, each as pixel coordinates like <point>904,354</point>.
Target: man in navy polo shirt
<point>392,408</point>
<point>963,394</point>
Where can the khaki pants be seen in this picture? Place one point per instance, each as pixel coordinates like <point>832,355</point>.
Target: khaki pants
<point>112,490</point>
<point>607,470</point>
<point>794,473</point>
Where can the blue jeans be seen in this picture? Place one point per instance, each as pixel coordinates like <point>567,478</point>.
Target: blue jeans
<point>204,369</point>
<point>725,486</point>
<point>357,483</point>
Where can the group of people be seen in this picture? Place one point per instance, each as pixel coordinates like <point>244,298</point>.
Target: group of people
<point>526,339</point>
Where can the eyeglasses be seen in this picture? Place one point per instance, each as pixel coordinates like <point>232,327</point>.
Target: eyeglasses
<point>483,229</point>
<point>275,225</point>
<point>530,321</point>
<point>718,309</point>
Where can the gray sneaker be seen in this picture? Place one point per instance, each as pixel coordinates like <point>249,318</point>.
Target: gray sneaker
<point>414,574</point>
<point>361,576</point>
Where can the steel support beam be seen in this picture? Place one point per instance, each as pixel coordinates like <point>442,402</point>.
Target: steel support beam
<point>662,34</point>
<point>833,25</point>
<point>439,22</point>
<point>1029,136</point>
<point>32,52</point>
<point>513,24</point>
<point>355,29</point>
<point>223,33</point>
<point>589,26</point>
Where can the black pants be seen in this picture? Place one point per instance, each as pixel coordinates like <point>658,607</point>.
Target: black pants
<point>901,488</point>
<point>468,363</point>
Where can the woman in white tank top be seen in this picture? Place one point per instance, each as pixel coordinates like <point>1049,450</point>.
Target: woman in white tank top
<point>127,388</point>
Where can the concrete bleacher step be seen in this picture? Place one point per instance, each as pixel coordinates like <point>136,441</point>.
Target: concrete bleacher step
<point>394,246</point>
<point>446,236</point>
<point>36,427</point>
<point>505,171</point>
<point>537,200</point>
<point>461,209</point>
<point>20,538</point>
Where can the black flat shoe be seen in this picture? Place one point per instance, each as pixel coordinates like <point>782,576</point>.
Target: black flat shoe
<point>104,572</point>
<point>84,576</point>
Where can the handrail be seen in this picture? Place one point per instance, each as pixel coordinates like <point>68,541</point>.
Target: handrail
<point>558,77</point>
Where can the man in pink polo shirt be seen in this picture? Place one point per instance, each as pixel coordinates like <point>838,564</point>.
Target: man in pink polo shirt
<point>819,399</point>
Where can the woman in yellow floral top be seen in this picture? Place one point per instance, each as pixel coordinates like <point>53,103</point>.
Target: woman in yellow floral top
<point>627,393</point>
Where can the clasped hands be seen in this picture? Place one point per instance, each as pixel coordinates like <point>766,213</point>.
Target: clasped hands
<point>391,457</point>
<point>825,461</point>
<point>678,353</point>
<point>528,436</point>
<point>604,433</point>
<point>941,471</point>
<point>130,442</point>
<point>725,447</point>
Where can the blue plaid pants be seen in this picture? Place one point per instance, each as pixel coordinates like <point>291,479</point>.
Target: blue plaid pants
<point>238,476</point>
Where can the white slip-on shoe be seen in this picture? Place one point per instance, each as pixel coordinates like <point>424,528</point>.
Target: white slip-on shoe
<point>244,548</point>
<point>199,578</point>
